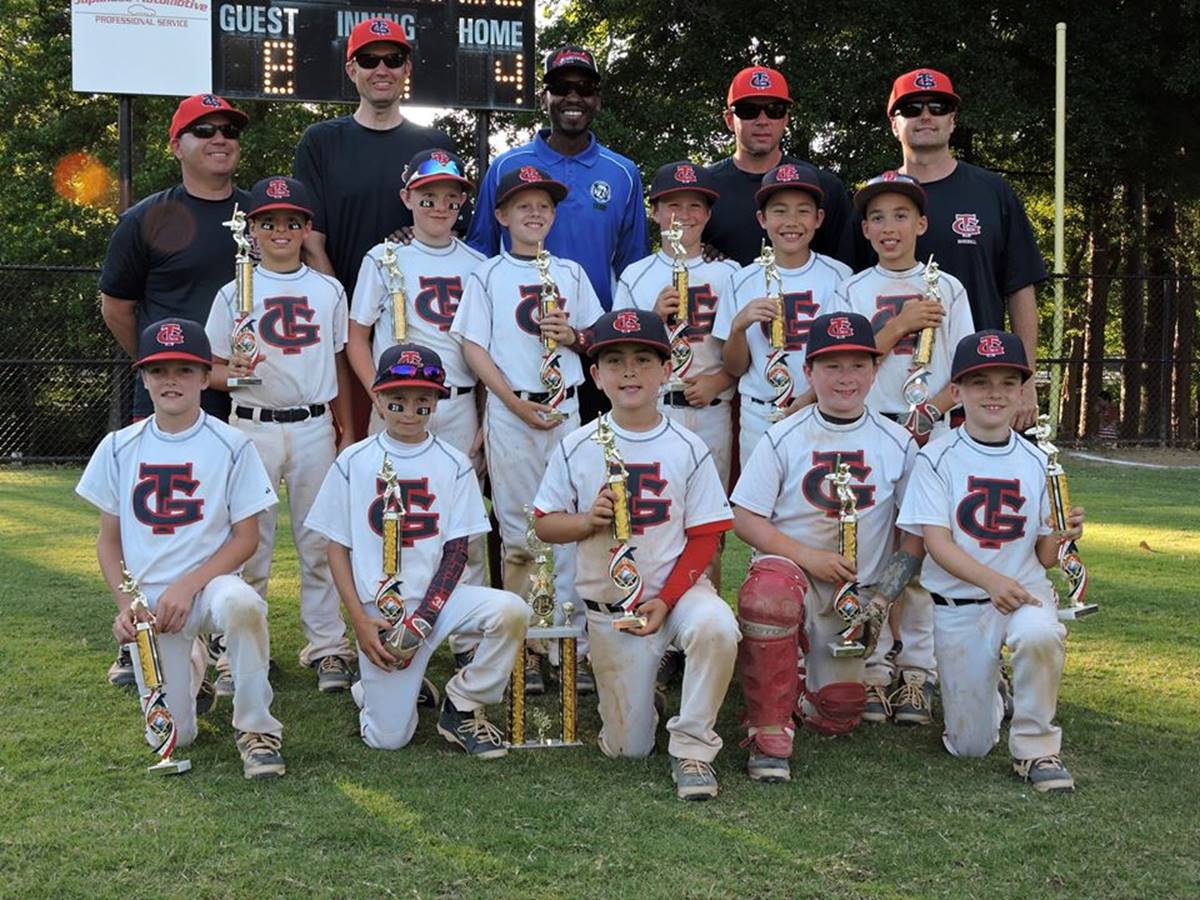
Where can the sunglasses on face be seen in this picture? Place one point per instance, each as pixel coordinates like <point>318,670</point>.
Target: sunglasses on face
<point>436,374</point>
<point>391,60</point>
<point>206,130</point>
<point>748,109</point>
<point>910,109</point>
<point>582,89</point>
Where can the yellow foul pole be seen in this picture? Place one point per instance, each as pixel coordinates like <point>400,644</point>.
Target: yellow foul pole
<point>1060,188</point>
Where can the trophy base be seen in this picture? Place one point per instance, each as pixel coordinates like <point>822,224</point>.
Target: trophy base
<point>170,767</point>
<point>849,649</point>
<point>1082,611</point>
<point>245,381</point>
<point>554,417</point>
<point>629,622</point>
<point>548,744</point>
<point>776,415</point>
<point>676,387</point>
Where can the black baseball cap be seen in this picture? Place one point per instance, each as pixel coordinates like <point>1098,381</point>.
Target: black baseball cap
<point>434,165</point>
<point>989,349</point>
<point>891,182</point>
<point>410,365</point>
<point>525,177</point>
<point>279,192</point>
<point>798,176</point>
<point>683,176</point>
<point>179,340</point>
<point>570,57</point>
<point>837,333</point>
<point>630,326</point>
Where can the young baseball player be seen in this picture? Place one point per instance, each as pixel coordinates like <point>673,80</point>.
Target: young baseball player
<point>894,296</point>
<point>502,329</point>
<point>678,511</point>
<point>440,508</point>
<point>789,209</point>
<point>787,507</point>
<point>978,497</point>
<point>300,318</point>
<point>178,495</point>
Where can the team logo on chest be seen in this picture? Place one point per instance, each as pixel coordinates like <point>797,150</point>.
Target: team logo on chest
<point>981,513</point>
<point>798,312</point>
<point>647,507</point>
<point>818,489</point>
<point>417,523</point>
<point>154,497</point>
<point>437,301</point>
<point>966,225</point>
<point>282,325</point>
<point>889,307</point>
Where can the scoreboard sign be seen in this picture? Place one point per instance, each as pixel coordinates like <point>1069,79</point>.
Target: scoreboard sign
<point>466,53</point>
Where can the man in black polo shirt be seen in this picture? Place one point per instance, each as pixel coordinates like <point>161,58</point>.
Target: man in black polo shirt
<point>756,111</point>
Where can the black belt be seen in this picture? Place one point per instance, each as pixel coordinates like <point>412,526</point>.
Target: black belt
<point>299,414</point>
<point>543,396</point>
<point>896,417</point>
<point>756,400</point>
<point>958,601</point>
<point>459,391</point>
<point>611,609</point>
<point>678,399</point>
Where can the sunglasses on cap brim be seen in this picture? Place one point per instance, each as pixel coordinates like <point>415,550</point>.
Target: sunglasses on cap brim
<point>407,370</point>
<point>431,167</point>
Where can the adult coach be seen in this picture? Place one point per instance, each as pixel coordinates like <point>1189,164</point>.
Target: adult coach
<point>756,111</point>
<point>978,230</point>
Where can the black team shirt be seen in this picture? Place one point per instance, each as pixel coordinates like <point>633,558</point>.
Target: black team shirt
<point>171,254</point>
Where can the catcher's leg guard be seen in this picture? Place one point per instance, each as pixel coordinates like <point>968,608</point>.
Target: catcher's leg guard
<point>771,614</point>
<point>835,709</point>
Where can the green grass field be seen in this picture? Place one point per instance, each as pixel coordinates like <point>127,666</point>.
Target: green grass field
<point>884,813</point>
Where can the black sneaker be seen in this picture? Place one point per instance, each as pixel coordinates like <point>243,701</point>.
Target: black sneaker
<point>261,756</point>
<point>463,658</point>
<point>1004,686</point>
<point>670,668</point>
<point>1045,773</point>
<point>471,731</point>
<point>333,675</point>
<point>912,702</point>
<point>120,673</point>
<point>206,698</point>
<point>428,696</point>
<point>533,675</point>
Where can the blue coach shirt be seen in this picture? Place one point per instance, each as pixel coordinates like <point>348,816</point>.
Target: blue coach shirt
<point>601,224</point>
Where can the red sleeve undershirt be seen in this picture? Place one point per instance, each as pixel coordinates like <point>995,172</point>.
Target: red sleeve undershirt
<point>702,543</point>
<point>445,579</point>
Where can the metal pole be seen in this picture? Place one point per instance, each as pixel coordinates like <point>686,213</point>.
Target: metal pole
<point>125,150</point>
<point>483,134</point>
<point>1060,182</point>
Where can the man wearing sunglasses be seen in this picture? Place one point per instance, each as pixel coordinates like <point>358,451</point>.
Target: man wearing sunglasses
<point>756,111</point>
<point>978,230</point>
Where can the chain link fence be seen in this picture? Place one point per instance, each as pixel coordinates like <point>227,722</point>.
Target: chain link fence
<point>64,382</point>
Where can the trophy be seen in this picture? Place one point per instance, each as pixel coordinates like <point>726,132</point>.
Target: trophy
<point>243,343</point>
<point>848,601</point>
<point>396,292</point>
<point>541,579</point>
<point>147,669</point>
<point>550,369</point>
<point>681,347</point>
<point>622,569</point>
<point>389,598</point>
<point>1069,561</point>
<point>916,385</point>
<point>777,373</point>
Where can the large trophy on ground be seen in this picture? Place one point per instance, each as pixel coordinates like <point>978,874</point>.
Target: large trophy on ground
<point>243,343</point>
<point>777,373</point>
<point>550,369</point>
<point>161,732</point>
<point>622,568</point>
<point>681,347</point>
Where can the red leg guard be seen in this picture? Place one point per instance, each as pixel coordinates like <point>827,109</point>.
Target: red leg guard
<point>834,709</point>
<point>771,617</point>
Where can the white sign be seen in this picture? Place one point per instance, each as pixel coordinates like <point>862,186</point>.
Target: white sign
<point>141,46</point>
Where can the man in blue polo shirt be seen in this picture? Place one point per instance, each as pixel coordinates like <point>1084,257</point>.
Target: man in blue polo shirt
<point>602,222</point>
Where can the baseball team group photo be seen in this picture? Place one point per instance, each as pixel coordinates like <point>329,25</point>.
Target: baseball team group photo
<point>493,450</point>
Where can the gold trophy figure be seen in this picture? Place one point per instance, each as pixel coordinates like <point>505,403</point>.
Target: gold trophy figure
<point>848,601</point>
<point>1069,560</point>
<point>681,347</point>
<point>777,373</point>
<point>541,579</point>
<point>147,669</point>
<point>550,369</point>
<point>243,342</point>
<point>397,296</point>
<point>622,568</point>
<point>916,385</point>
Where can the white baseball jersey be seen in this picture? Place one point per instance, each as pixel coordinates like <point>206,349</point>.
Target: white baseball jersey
<point>993,500</point>
<point>441,498</point>
<point>879,294</point>
<point>177,495</point>
<point>673,486</point>
<point>433,279</point>
<point>785,481</point>
<point>301,320</point>
<point>808,292</point>
<point>500,312</point>
<point>642,282</point>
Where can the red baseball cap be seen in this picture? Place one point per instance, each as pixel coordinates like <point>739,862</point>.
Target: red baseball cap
<point>921,83</point>
<point>193,109</point>
<point>369,31</point>
<point>758,81</point>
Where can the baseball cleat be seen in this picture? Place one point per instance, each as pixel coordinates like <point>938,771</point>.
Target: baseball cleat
<point>333,674</point>
<point>429,696</point>
<point>260,754</point>
<point>1004,686</point>
<point>767,769</point>
<point>878,708</point>
<point>471,731</point>
<point>912,702</point>
<point>206,698</point>
<point>533,675</point>
<point>1045,773</point>
<point>120,673</point>
<point>670,668</point>
<point>694,779</point>
<point>463,658</point>
<point>224,680</point>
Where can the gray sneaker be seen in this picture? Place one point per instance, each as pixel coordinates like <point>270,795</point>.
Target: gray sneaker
<point>120,673</point>
<point>333,675</point>
<point>471,731</point>
<point>260,754</point>
<point>878,708</point>
<point>534,684</point>
<point>1004,686</point>
<point>694,779</point>
<point>912,702</point>
<point>224,680</point>
<point>1045,773</point>
<point>767,769</point>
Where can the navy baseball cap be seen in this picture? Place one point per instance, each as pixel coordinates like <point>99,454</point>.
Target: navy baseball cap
<point>434,165</point>
<point>571,57</point>
<point>180,340</point>
<point>989,349</point>
<point>279,192</point>
<point>683,176</point>
<point>798,176</point>
<point>890,182</point>
<point>410,365</point>
<point>630,326</point>
<point>837,333</point>
<point>525,177</point>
